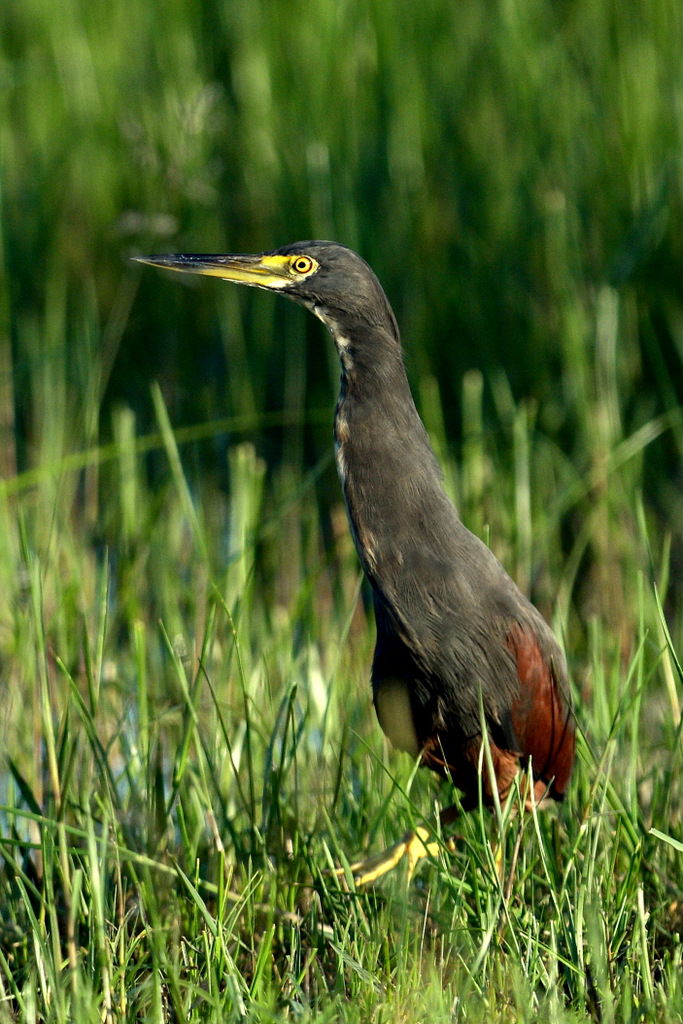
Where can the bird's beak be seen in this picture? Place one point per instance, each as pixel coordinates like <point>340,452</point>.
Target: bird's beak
<point>264,271</point>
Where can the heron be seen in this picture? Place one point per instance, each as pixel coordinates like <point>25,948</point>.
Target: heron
<point>461,653</point>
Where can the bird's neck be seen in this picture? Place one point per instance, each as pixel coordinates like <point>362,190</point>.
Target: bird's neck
<point>386,465</point>
<point>375,411</point>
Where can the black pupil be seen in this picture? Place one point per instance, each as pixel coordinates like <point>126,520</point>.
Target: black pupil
<point>302,265</point>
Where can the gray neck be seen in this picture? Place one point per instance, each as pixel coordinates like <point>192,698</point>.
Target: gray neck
<point>388,471</point>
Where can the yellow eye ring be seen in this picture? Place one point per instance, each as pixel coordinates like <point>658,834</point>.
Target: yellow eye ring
<point>302,265</point>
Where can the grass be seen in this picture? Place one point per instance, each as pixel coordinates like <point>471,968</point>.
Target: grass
<point>187,738</point>
<point>189,757</point>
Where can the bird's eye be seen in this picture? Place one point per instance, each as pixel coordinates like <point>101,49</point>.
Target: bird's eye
<point>302,265</point>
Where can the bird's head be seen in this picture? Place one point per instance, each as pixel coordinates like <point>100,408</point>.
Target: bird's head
<point>329,279</point>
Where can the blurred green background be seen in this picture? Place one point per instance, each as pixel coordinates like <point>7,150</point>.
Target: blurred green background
<point>500,165</point>
<point>512,170</point>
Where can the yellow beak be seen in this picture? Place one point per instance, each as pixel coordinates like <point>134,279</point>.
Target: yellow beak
<point>263,271</point>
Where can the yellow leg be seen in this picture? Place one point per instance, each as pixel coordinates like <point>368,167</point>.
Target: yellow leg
<point>413,846</point>
<point>498,860</point>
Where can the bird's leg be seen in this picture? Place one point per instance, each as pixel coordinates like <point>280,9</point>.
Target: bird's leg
<point>414,845</point>
<point>513,864</point>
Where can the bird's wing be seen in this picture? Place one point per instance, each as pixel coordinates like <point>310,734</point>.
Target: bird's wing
<point>471,642</point>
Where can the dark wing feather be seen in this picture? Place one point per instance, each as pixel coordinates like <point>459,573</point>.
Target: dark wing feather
<point>479,639</point>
